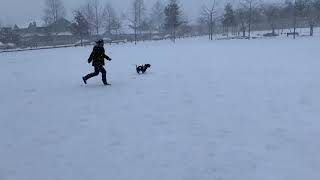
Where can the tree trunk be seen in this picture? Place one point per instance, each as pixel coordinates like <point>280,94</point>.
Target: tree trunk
<point>81,39</point>
<point>135,36</point>
<point>294,20</point>
<point>174,33</point>
<point>227,29</point>
<point>311,29</point>
<point>250,16</point>
<point>150,35</point>
<point>211,31</point>
<point>211,26</point>
<point>243,31</point>
<point>273,31</point>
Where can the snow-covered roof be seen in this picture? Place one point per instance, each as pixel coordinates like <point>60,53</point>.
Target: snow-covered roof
<point>11,45</point>
<point>126,28</point>
<point>32,34</point>
<point>65,34</point>
<point>83,41</point>
<point>156,37</point>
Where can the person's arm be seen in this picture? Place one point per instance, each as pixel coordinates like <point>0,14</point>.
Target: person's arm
<point>105,56</point>
<point>91,56</point>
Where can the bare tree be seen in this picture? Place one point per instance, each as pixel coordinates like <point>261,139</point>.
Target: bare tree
<point>316,6</point>
<point>54,10</point>
<point>311,13</point>
<point>290,14</point>
<point>157,16</point>
<point>138,10</point>
<point>184,28</point>
<point>299,7</point>
<point>272,13</point>
<point>111,20</point>
<point>209,16</point>
<point>88,13</point>
<point>249,5</point>
<point>93,12</point>
<point>202,26</point>
<point>98,15</point>
<point>228,17</point>
<point>241,18</point>
<point>307,11</point>
<point>116,24</point>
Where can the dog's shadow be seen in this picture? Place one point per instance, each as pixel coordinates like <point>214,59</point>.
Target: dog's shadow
<point>146,75</point>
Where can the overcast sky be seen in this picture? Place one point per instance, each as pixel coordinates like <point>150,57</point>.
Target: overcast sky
<point>22,12</point>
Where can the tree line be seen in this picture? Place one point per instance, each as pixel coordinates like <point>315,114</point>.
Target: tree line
<point>241,18</point>
<point>238,18</point>
<point>94,18</point>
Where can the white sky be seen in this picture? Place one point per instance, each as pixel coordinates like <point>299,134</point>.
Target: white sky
<point>22,12</point>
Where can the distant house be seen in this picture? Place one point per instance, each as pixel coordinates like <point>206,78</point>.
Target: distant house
<point>2,46</point>
<point>53,34</point>
<point>32,31</point>
<point>61,27</point>
<point>9,38</point>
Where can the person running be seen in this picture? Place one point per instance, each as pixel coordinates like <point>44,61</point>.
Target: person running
<point>97,59</point>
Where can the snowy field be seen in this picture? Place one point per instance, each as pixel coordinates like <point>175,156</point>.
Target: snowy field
<point>219,110</point>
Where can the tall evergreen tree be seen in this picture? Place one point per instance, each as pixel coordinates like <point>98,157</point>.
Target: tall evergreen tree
<point>172,18</point>
<point>228,17</point>
<point>80,27</point>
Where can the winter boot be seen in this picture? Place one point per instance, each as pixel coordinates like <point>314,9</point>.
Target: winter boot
<point>105,82</point>
<point>84,80</point>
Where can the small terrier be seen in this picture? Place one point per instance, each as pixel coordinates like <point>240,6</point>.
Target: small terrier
<point>142,68</point>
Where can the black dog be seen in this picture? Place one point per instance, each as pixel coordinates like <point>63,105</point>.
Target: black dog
<point>142,68</point>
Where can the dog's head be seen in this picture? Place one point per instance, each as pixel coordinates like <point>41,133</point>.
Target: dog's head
<point>147,65</point>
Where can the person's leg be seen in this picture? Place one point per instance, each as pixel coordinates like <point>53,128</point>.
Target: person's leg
<point>95,73</point>
<point>104,75</point>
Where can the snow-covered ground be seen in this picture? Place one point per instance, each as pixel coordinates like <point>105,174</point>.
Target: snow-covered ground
<point>207,110</point>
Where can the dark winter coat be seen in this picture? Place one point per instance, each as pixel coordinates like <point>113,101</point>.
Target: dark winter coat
<point>97,56</point>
